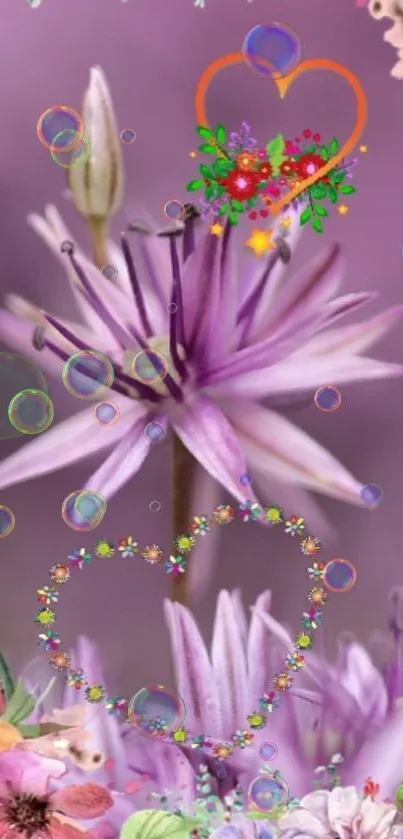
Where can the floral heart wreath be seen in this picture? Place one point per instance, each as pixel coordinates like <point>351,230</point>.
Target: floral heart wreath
<point>247,177</point>
<point>128,548</point>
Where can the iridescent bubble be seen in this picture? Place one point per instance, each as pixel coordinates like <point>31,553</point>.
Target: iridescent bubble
<point>174,210</point>
<point>156,711</point>
<point>327,398</point>
<point>7,521</point>
<point>172,308</point>
<point>88,374</point>
<point>372,494</point>
<point>272,49</point>
<point>109,271</point>
<point>155,506</point>
<point>340,575</point>
<point>245,480</point>
<point>69,157</point>
<point>155,432</point>
<point>83,510</point>
<point>17,374</point>
<point>128,136</point>
<point>268,792</point>
<point>54,122</point>
<point>31,411</point>
<point>149,367</point>
<point>106,413</point>
<point>221,773</point>
<point>268,751</point>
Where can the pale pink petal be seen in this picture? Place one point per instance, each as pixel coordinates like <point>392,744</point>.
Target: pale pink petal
<point>302,822</point>
<point>389,742</point>
<point>305,372</point>
<point>61,829</point>
<point>344,805</point>
<point>49,451</point>
<point>274,445</point>
<point>123,462</point>
<point>356,338</point>
<point>82,801</point>
<point>318,803</point>
<point>206,494</point>
<point>29,772</point>
<point>376,817</point>
<point>7,832</point>
<point>258,653</point>
<point>194,674</point>
<point>207,434</point>
<point>228,658</point>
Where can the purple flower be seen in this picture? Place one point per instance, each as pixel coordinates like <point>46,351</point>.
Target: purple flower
<point>232,345</point>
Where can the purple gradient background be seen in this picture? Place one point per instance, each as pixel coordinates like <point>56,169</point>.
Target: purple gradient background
<point>153,52</point>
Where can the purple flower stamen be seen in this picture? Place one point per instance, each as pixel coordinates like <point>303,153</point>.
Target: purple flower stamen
<point>176,315</point>
<point>138,296</point>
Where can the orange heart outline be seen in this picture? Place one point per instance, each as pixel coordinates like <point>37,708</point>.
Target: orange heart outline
<point>282,84</point>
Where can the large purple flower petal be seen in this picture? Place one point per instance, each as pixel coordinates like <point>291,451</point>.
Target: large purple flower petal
<point>49,451</point>
<point>356,338</point>
<point>228,658</point>
<point>258,653</point>
<point>123,462</point>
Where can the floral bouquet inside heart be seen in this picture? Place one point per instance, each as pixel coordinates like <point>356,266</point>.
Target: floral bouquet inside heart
<point>244,177</point>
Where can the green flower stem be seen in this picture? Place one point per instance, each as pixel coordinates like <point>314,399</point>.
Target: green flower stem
<point>183,469</point>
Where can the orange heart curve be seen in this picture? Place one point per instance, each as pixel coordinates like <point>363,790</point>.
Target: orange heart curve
<point>282,84</point>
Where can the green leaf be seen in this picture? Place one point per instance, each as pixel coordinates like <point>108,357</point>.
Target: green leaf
<point>346,189</point>
<point>20,706</point>
<point>337,176</point>
<point>220,134</point>
<point>225,208</point>
<point>275,145</point>
<point>399,796</point>
<point>222,167</point>
<point>317,190</point>
<point>208,148</point>
<point>320,211</point>
<point>251,202</point>
<point>193,186</point>
<point>236,205</point>
<point>210,192</point>
<point>324,153</point>
<point>30,732</point>
<point>206,172</point>
<point>317,225</point>
<point>310,150</point>
<point>233,218</point>
<point>221,190</point>
<point>333,146</point>
<point>332,194</point>
<point>202,131</point>
<point>305,216</point>
<point>156,824</point>
<point>6,679</point>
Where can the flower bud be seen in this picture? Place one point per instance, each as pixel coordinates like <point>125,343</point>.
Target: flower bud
<point>97,185</point>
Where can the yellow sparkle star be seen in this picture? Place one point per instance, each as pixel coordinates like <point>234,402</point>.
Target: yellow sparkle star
<point>260,241</point>
<point>363,149</point>
<point>342,210</point>
<point>286,222</point>
<point>192,154</point>
<point>216,229</point>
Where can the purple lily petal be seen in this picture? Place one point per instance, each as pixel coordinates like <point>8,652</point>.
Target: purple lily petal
<point>274,445</point>
<point>206,432</point>
<point>342,306</point>
<point>18,335</point>
<point>194,674</point>
<point>240,615</point>
<point>124,462</point>
<point>363,681</point>
<point>49,451</point>
<point>229,665</point>
<point>356,338</point>
<point>258,651</point>
<point>387,742</point>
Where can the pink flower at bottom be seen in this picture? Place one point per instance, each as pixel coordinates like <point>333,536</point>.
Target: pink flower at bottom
<point>340,812</point>
<point>28,810</point>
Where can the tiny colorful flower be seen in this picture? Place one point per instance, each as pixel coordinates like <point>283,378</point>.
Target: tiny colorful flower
<point>175,565</point>
<point>272,515</point>
<point>115,705</point>
<point>245,161</point>
<point>180,735</point>
<point>47,595</point>
<point>316,571</point>
<point>249,511</point>
<point>371,789</point>
<point>128,547</point>
<point>242,739</point>
<point>60,661</point>
<point>311,619</point>
<point>76,679</point>
<point>95,693</point>
<point>310,546</point>
<point>317,596</point>
<point>282,681</point>
<point>293,525</point>
<point>157,726</point>
<point>303,641</point>
<point>200,525</point>
<point>294,661</point>
<point>256,721</point>
<point>104,549</point>
<point>223,514</point>
<point>79,558</point>
<point>200,741</point>
<point>153,554</point>
<point>184,543</point>
<point>49,641</point>
<point>60,573</point>
<point>45,616</point>
<point>269,701</point>
<point>221,751</point>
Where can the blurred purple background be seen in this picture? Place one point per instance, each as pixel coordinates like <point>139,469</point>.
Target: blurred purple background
<point>153,52</point>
